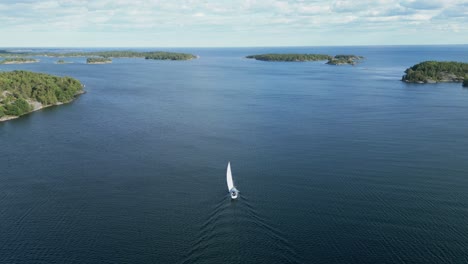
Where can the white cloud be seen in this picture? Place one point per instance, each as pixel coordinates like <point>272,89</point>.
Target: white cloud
<point>254,16</point>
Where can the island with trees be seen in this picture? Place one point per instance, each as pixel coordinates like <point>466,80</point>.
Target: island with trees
<point>436,71</point>
<point>62,62</point>
<point>160,55</point>
<point>22,92</point>
<point>344,59</point>
<point>297,57</point>
<point>18,60</point>
<point>465,82</point>
<point>149,55</point>
<point>289,57</point>
<point>98,60</point>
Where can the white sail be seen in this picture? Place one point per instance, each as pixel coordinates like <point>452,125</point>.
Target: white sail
<point>230,182</point>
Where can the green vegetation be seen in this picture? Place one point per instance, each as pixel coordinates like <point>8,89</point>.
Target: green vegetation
<point>20,89</point>
<point>344,59</point>
<point>61,62</point>
<point>336,60</point>
<point>289,57</point>
<point>18,60</point>
<point>465,82</point>
<point>98,60</point>
<point>14,108</point>
<point>436,71</point>
<point>153,55</point>
<point>169,56</point>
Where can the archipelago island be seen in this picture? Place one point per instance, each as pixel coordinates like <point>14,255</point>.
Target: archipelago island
<point>18,60</point>
<point>22,92</point>
<point>344,59</point>
<point>62,62</point>
<point>98,60</point>
<point>149,55</point>
<point>296,57</point>
<point>437,71</point>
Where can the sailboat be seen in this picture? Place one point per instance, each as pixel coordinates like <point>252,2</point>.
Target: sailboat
<point>230,183</point>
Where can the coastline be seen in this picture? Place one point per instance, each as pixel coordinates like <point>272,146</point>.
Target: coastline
<point>20,62</point>
<point>38,106</point>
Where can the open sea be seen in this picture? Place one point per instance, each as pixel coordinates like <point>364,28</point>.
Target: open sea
<point>335,164</point>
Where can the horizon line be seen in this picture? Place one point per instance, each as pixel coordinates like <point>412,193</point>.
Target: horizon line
<point>202,47</point>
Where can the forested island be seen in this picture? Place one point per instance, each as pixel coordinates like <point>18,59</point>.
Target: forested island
<point>289,57</point>
<point>22,92</point>
<point>295,57</point>
<point>436,71</point>
<point>62,62</point>
<point>344,59</point>
<point>98,60</point>
<point>17,60</point>
<point>149,55</point>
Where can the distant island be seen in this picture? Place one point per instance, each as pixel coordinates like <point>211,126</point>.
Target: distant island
<point>149,55</point>
<point>289,57</point>
<point>22,92</point>
<point>62,62</point>
<point>296,57</point>
<point>436,71</point>
<point>98,60</point>
<point>18,61</point>
<point>344,59</point>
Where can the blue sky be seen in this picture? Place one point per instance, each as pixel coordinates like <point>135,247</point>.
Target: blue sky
<point>208,23</point>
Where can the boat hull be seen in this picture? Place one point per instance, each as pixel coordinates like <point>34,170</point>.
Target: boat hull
<point>234,193</point>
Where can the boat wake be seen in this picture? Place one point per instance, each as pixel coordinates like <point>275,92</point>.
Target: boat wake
<point>234,232</point>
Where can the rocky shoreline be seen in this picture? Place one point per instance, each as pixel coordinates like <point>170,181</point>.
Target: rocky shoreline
<point>443,78</point>
<point>38,106</point>
<point>436,72</point>
<point>19,62</point>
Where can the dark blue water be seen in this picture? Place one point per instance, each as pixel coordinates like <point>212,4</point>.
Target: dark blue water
<point>334,164</point>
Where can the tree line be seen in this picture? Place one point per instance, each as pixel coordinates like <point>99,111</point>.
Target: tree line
<point>153,55</point>
<point>19,87</point>
<point>98,60</point>
<point>436,71</point>
<point>289,57</point>
<point>17,60</point>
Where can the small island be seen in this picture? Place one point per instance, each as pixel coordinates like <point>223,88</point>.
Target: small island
<point>465,82</point>
<point>98,60</point>
<point>289,57</point>
<point>344,59</point>
<point>436,71</point>
<point>296,57</point>
<point>22,92</point>
<point>62,62</point>
<point>18,60</point>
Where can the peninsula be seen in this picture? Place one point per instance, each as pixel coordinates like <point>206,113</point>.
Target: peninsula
<point>296,57</point>
<point>18,60</point>
<point>436,71</point>
<point>98,60</point>
<point>22,92</point>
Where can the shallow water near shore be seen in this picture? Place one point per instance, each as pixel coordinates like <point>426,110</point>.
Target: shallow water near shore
<point>335,164</point>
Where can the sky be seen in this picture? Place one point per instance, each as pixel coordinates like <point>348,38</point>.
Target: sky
<point>231,23</point>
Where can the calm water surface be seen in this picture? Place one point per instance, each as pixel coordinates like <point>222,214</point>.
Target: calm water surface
<point>334,164</point>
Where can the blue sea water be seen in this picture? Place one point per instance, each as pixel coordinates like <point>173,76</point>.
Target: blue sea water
<point>335,164</point>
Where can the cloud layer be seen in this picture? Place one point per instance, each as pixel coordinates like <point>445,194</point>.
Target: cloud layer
<point>233,23</point>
